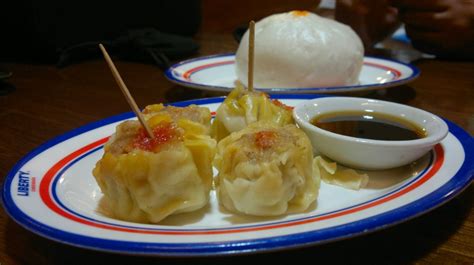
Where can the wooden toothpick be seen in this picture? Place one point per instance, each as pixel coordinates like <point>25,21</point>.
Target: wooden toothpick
<point>251,54</point>
<point>125,91</point>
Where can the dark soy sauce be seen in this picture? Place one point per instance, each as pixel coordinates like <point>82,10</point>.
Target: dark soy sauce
<point>369,125</point>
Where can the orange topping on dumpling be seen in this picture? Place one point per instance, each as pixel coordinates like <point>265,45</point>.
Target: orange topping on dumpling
<point>280,104</point>
<point>163,133</point>
<point>299,13</point>
<point>265,139</point>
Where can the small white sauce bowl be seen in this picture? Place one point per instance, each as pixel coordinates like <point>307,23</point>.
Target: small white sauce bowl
<point>366,153</point>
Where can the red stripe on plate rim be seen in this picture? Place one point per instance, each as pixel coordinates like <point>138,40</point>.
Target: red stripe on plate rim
<point>45,194</point>
<point>187,75</point>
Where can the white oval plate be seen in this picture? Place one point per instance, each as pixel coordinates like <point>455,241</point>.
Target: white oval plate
<point>52,192</point>
<point>217,73</point>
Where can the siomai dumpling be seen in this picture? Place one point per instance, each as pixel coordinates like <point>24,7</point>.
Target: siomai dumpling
<point>266,170</point>
<point>145,180</point>
<point>300,49</point>
<point>192,112</point>
<point>243,107</point>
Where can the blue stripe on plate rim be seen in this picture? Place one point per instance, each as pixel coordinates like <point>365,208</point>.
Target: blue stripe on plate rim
<point>449,190</point>
<point>415,73</point>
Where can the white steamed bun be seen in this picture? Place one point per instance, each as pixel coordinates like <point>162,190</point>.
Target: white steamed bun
<point>300,49</point>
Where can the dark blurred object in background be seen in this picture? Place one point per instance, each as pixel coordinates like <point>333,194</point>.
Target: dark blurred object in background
<point>5,87</point>
<point>35,31</point>
<point>444,28</point>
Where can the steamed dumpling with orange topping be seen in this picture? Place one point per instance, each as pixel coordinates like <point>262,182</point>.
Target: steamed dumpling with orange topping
<point>243,107</point>
<point>300,49</point>
<point>266,170</point>
<point>192,112</point>
<point>145,180</point>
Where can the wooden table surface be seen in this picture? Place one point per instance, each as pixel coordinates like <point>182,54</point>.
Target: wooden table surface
<point>48,101</point>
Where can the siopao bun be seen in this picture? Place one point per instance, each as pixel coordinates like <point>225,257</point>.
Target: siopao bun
<point>299,50</point>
